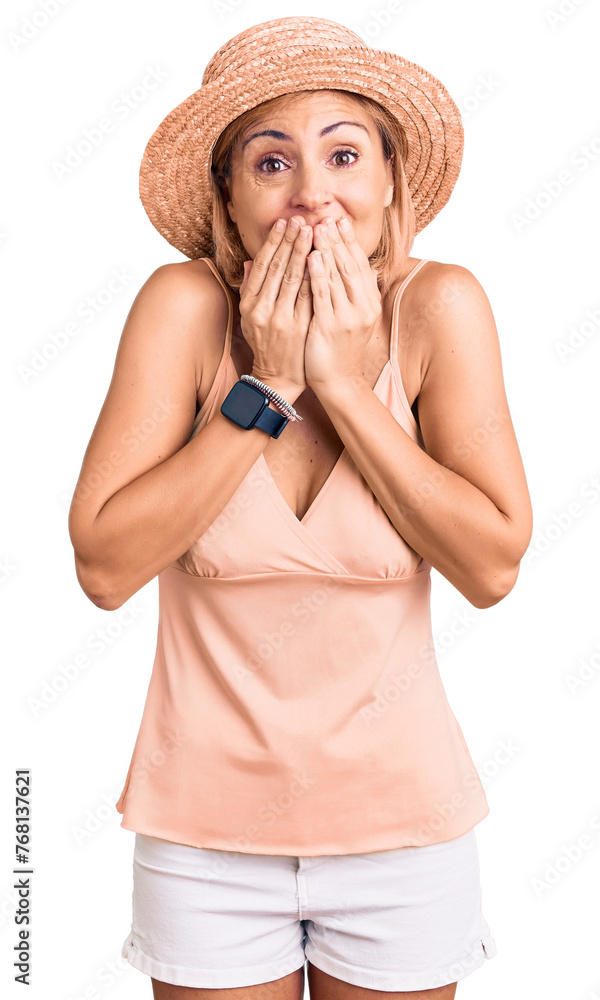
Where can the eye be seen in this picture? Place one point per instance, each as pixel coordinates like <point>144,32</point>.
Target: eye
<point>269,159</point>
<point>345,152</point>
<point>279,159</point>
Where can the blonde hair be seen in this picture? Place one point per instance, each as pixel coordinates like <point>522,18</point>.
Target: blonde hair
<point>399,224</point>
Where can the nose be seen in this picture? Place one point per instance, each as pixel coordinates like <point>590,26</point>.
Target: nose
<point>310,194</point>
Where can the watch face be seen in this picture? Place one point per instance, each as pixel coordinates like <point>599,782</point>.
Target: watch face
<point>245,403</point>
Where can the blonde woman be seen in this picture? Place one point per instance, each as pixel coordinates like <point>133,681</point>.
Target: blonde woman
<point>325,420</point>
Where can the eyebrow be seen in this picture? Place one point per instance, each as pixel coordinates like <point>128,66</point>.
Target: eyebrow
<point>283,137</point>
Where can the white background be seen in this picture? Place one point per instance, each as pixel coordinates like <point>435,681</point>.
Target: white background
<point>526,83</point>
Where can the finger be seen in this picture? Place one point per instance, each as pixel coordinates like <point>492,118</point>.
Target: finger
<point>353,264</point>
<point>348,238</point>
<point>296,269</point>
<point>346,263</point>
<point>303,309</point>
<point>319,283</point>
<point>341,289</point>
<point>275,268</point>
<point>247,269</point>
<point>275,248</point>
<point>263,259</point>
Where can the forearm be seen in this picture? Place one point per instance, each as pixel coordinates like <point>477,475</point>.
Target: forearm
<point>153,520</point>
<point>443,517</point>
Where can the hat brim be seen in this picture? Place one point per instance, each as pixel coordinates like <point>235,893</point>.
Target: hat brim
<point>175,186</point>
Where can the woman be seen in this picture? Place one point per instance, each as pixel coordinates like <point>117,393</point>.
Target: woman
<point>317,419</point>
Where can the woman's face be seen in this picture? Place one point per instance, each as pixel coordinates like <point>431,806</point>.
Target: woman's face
<point>323,156</point>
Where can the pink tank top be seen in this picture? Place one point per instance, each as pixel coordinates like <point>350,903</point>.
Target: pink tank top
<point>295,704</point>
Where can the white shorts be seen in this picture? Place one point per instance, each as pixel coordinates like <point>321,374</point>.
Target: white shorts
<point>409,918</point>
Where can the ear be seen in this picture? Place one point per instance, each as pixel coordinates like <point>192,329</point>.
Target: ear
<point>389,197</point>
<point>226,197</point>
<point>229,204</point>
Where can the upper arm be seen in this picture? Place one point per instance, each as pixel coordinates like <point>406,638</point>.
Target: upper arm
<point>149,408</point>
<point>463,410</point>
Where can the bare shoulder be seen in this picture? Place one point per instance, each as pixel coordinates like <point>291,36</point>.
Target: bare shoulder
<point>421,304</point>
<point>195,281</point>
<point>186,288</point>
<point>442,300</point>
<point>446,283</point>
<point>198,291</point>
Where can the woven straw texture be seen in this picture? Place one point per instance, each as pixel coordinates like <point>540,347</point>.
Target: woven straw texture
<point>279,57</point>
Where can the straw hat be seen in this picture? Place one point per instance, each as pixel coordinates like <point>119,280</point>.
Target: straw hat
<point>279,57</point>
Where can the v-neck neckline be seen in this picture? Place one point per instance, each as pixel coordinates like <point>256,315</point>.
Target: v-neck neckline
<point>279,495</point>
<point>276,492</point>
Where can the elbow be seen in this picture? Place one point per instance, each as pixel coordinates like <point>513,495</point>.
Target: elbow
<point>494,590</point>
<point>496,586</point>
<point>106,602</point>
<point>95,589</point>
<point>92,576</point>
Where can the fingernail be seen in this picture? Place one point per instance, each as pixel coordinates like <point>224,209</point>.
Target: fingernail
<point>304,233</point>
<point>344,224</point>
<point>280,226</point>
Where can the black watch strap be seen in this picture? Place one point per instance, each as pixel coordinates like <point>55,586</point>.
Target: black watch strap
<point>271,422</point>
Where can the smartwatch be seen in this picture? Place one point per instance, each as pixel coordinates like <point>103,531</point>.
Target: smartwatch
<point>248,407</point>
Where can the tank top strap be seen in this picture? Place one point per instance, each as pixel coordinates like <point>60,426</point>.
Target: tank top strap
<point>226,355</point>
<point>399,294</point>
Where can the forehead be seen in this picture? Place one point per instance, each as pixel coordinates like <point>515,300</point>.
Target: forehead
<point>316,103</point>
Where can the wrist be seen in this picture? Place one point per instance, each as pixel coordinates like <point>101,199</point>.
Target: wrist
<point>288,390</point>
<point>343,386</point>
